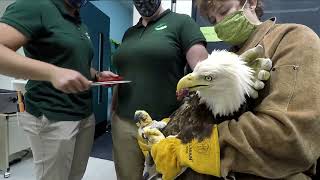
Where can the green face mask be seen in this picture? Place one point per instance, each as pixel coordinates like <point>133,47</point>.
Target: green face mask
<point>235,28</point>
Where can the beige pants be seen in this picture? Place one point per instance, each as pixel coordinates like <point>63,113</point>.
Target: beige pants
<point>60,149</point>
<point>127,156</point>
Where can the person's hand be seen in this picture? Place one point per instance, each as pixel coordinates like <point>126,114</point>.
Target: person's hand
<point>171,156</point>
<point>68,81</point>
<point>107,76</point>
<point>261,67</point>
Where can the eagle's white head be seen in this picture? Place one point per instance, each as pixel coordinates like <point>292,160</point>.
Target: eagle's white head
<point>222,82</point>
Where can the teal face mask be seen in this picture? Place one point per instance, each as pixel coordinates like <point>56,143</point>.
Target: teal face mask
<point>235,28</point>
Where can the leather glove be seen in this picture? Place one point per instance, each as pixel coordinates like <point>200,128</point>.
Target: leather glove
<point>153,136</point>
<point>171,156</point>
<point>144,145</point>
<point>261,67</point>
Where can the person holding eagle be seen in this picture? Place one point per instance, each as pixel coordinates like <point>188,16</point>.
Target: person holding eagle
<point>277,138</point>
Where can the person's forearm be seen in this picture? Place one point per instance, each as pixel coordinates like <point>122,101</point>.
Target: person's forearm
<point>15,65</point>
<point>196,54</point>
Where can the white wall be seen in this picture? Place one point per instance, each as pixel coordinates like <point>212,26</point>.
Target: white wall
<point>4,4</point>
<point>183,7</point>
<point>120,16</point>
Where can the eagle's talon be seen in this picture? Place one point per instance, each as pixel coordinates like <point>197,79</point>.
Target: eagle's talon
<point>142,117</point>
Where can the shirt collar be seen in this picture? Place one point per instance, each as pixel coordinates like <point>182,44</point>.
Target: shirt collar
<point>139,24</point>
<point>60,4</point>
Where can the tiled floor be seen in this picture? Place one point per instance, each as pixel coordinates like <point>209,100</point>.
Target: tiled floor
<point>97,169</point>
<point>102,147</point>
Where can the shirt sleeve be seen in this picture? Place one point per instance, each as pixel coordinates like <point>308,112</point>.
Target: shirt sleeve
<point>190,34</point>
<point>24,16</point>
<point>280,137</point>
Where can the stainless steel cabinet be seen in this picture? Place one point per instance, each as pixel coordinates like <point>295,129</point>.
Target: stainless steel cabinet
<point>12,140</point>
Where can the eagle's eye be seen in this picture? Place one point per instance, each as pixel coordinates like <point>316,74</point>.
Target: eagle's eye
<point>208,78</point>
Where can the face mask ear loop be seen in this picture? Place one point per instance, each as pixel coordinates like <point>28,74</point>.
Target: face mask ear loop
<point>245,3</point>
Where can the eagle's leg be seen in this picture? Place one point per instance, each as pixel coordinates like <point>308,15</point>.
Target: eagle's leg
<point>150,169</point>
<point>149,164</point>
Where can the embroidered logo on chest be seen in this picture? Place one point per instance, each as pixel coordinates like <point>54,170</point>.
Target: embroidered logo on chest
<point>160,27</point>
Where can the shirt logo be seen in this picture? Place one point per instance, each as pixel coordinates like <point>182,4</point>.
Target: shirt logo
<point>88,36</point>
<point>161,27</point>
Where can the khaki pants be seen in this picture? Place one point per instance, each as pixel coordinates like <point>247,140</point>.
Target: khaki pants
<point>60,149</point>
<point>127,156</point>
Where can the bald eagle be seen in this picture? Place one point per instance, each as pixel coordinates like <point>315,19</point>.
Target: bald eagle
<point>218,88</point>
<point>215,91</point>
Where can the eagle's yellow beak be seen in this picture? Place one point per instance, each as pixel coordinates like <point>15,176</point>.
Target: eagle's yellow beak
<point>193,82</point>
<point>185,82</point>
<point>189,81</point>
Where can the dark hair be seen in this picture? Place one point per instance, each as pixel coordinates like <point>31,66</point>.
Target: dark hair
<point>206,5</point>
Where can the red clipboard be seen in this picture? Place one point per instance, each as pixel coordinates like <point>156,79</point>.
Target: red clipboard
<point>110,81</point>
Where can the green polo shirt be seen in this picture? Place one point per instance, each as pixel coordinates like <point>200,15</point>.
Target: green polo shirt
<point>57,38</point>
<point>153,58</point>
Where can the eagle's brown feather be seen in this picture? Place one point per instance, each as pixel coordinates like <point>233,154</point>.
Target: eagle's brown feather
<point>191,120</point>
